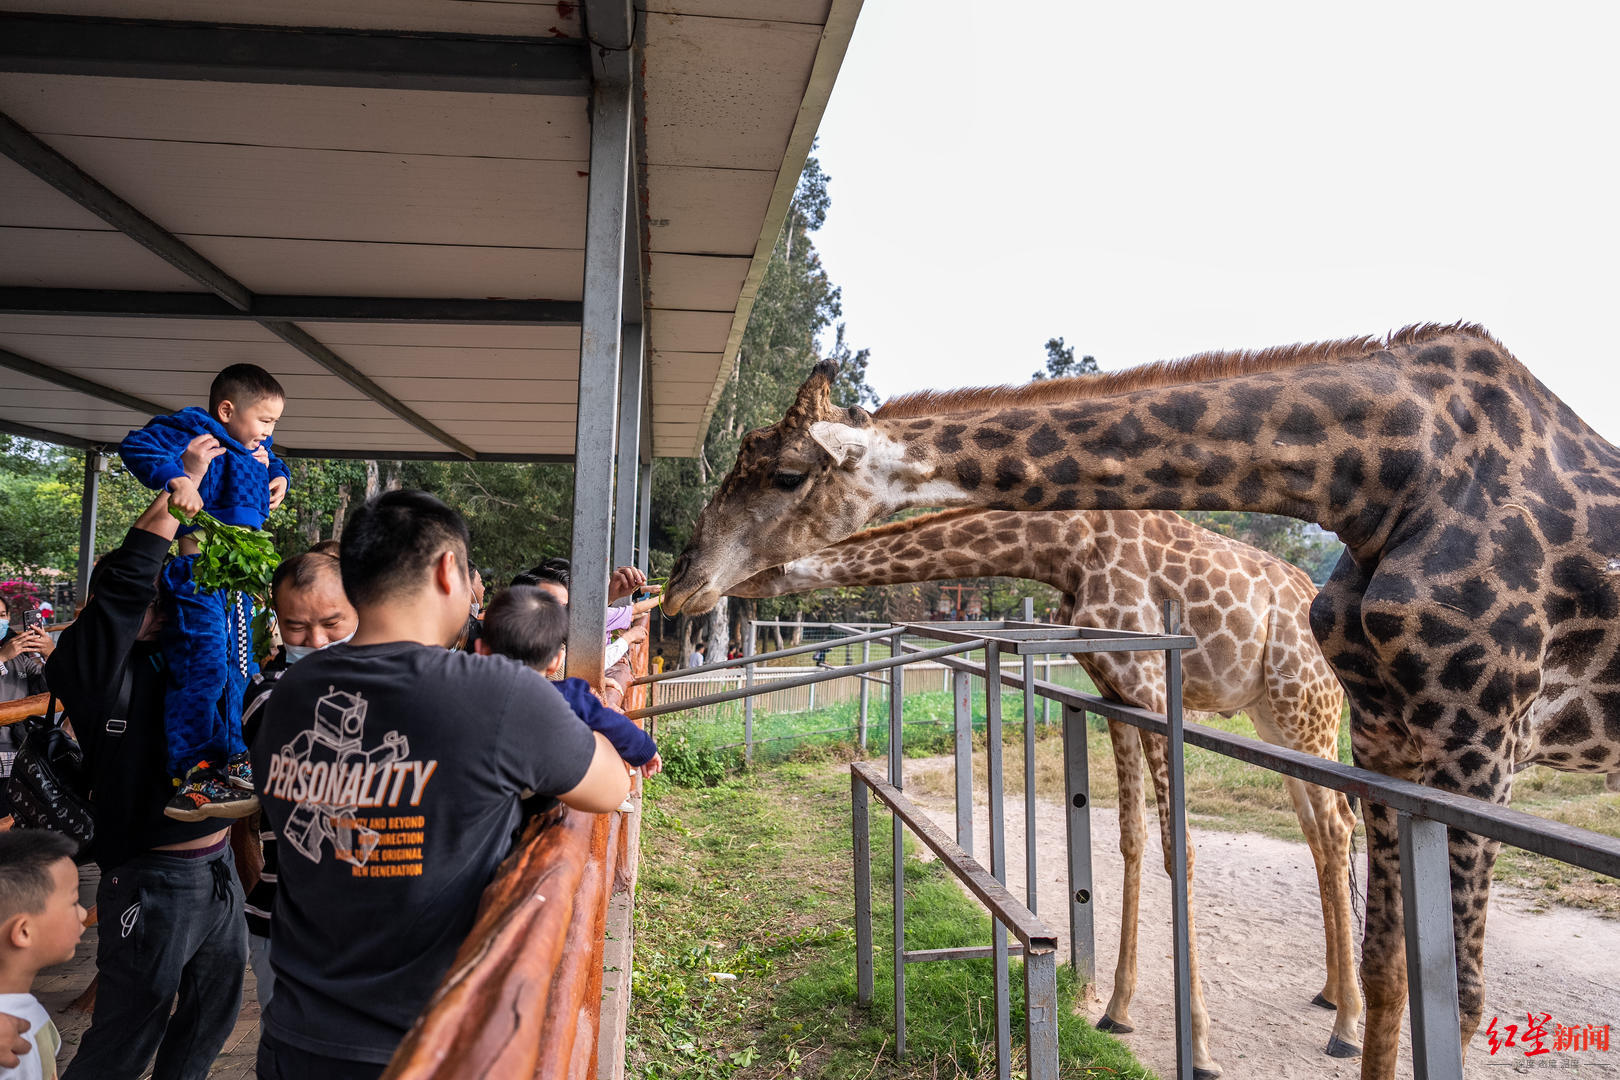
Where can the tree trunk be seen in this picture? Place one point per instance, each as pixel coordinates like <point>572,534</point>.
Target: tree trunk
<point>373,481</point>
<point>686,641</point>
<point>719,631</point>
<point>341,512</point>
<point>798,629</point>
<point>309,519</point>
<point>392,478</point>
<point>747,612</point>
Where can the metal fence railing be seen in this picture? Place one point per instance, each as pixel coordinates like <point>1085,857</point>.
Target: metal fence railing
<point>848,641</point>
<point>1423,815</point>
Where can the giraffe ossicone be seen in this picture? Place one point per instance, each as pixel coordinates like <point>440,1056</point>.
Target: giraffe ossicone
<point>1473,621</point>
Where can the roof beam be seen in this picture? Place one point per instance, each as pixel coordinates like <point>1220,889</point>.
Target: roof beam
<point>379,309</point>
<point>28,151</point>
<point>292,56</point>
<point>69,381</point>
<point>28,431</point>
<point>300,339</point>
<point>419,455</point>
<point>21,146</point>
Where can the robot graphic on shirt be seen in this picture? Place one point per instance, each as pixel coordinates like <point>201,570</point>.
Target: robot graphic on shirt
<point>335,742</point>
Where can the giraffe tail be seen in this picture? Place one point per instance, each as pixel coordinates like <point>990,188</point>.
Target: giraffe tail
<point>1358,898</point>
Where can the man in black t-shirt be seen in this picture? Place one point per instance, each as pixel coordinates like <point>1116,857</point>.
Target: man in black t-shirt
<point>391,769</point>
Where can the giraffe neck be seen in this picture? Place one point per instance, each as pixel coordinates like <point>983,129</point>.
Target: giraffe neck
<point>1346,443</point>
<point>940,547</point>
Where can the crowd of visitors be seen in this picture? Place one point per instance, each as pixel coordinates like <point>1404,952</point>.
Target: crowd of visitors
<point>393,740</point>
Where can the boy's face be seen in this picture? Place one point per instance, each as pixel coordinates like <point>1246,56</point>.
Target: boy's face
<point>251,424</point>
<point>55,931</point>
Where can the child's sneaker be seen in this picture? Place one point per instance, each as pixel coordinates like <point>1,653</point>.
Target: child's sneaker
<point>240,772</point>
<point>207,794</point>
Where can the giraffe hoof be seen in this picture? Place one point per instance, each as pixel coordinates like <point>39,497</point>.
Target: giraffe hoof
<point>1113,1026</point>
<point>1322,1003</point>
<point>1205,1074</point>
<point>1338,1048</point>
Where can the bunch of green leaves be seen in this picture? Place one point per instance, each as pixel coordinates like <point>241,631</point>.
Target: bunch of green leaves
<point>239,560</point>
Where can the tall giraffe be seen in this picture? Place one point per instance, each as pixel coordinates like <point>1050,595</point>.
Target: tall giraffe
<point>1250,612</point>
<point>1473,620</point>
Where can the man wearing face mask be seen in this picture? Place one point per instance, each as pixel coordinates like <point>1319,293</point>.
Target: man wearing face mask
<point>312,613</point>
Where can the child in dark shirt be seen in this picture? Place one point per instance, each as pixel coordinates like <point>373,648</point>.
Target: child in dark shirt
<point>207,641</point>
<point>529,625</point>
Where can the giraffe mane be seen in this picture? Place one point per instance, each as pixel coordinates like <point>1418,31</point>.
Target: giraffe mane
<point>1201,367</point>
<point>889,528</point>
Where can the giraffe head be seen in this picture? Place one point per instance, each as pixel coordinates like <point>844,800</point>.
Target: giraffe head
<point>797,486</point>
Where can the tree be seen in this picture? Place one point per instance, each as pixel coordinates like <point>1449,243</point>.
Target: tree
<point>796,305</point>
<point>1060,362</point>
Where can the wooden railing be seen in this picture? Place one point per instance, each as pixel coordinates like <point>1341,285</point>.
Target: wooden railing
<point>524,998</point>
<point>12,712</point>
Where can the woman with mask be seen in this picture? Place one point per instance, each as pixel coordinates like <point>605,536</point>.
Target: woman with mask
<point>23,650</point>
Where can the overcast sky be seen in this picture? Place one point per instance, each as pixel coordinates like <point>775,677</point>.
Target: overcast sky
<point>1150,180</point>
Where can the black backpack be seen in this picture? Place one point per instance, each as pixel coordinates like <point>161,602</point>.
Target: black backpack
<point>49,786</point>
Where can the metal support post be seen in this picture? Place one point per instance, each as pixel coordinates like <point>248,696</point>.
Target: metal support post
<point>1431,958</point>
<point>897,750</point>
<point>601,313</point>
<point>1040,1014</point>
<point>998,853</point>
<point>94,464</point>
<point>862,837</point>
<point>1077,805</point>
<point>962,700</point>
<point>1179,916</point>
<point>866,658</point>
<point>1046,702</point>
<point>644,518</point>
<point>629,470</point>
<point>1031,880</point>
<point>748,702</point>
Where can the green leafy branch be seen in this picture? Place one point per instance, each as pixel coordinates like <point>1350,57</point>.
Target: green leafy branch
<point>239,560</point>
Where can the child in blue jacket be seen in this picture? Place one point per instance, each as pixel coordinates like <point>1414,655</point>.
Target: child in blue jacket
<point>207,638</point>
<point>529,625</point>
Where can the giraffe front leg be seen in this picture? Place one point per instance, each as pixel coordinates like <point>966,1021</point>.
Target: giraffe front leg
<point>1158,759</point>
<point>1116,1017</point>
<point>1383,947</point>
<point>1472,860</point>
<point>1328,825</point>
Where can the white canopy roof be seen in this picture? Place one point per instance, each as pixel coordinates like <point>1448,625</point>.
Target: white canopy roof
<point>384,151</point>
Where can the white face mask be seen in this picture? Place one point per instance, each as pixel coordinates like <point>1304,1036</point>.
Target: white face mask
<point>296,653</point>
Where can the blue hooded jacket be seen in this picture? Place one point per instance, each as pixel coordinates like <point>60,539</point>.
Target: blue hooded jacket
<point>635,746</point>
<point>236,488</point>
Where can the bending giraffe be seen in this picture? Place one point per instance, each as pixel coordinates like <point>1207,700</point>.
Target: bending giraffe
<point>1473,620</point>
<point>1250,612</point>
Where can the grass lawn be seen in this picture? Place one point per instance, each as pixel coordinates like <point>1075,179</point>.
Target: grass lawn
<point>745,953</point>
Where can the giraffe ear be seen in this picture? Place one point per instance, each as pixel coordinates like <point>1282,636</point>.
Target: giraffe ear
<point>846,444</point>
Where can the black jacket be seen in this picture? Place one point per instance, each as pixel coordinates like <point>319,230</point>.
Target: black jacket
<point>130,783</point>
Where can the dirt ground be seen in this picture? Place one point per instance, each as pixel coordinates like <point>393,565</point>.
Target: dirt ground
<point>1261,951</point>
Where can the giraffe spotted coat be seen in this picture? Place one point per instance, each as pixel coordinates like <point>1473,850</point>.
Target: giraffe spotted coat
<point>1472,621</point>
